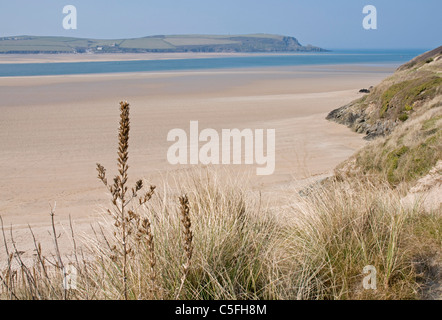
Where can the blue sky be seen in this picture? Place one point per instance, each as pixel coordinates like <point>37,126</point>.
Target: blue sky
<point>326,23</point>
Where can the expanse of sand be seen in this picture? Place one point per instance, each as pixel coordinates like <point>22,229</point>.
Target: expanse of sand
<point>54,129</point>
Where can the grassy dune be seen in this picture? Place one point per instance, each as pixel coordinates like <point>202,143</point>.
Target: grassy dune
<point>314,248</point>
<point>406,110</point>
<point>397,99</point>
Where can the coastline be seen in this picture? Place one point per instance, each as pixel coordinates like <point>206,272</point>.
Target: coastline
<point>108,57</point>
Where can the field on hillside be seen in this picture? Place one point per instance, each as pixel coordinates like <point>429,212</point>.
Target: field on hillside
<point>173,43</point>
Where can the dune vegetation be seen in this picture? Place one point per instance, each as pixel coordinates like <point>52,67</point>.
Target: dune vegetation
<point>399,98</point>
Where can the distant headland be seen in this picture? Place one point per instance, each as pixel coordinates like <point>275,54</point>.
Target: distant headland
<point>161,43</point>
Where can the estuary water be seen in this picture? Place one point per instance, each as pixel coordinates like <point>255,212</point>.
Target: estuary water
<point>372,57</point>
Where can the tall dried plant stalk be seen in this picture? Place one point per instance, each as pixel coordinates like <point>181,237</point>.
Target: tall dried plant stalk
<point>187,239</point>
<point>123,218</point>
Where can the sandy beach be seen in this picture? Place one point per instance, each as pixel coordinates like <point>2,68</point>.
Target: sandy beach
<point>85,57</point>
<point>54,129</point>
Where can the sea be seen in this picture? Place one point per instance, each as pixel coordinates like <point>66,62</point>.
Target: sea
<point>365,57</point>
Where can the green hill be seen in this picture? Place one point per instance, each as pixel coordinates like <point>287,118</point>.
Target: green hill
<point>161,43</point>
